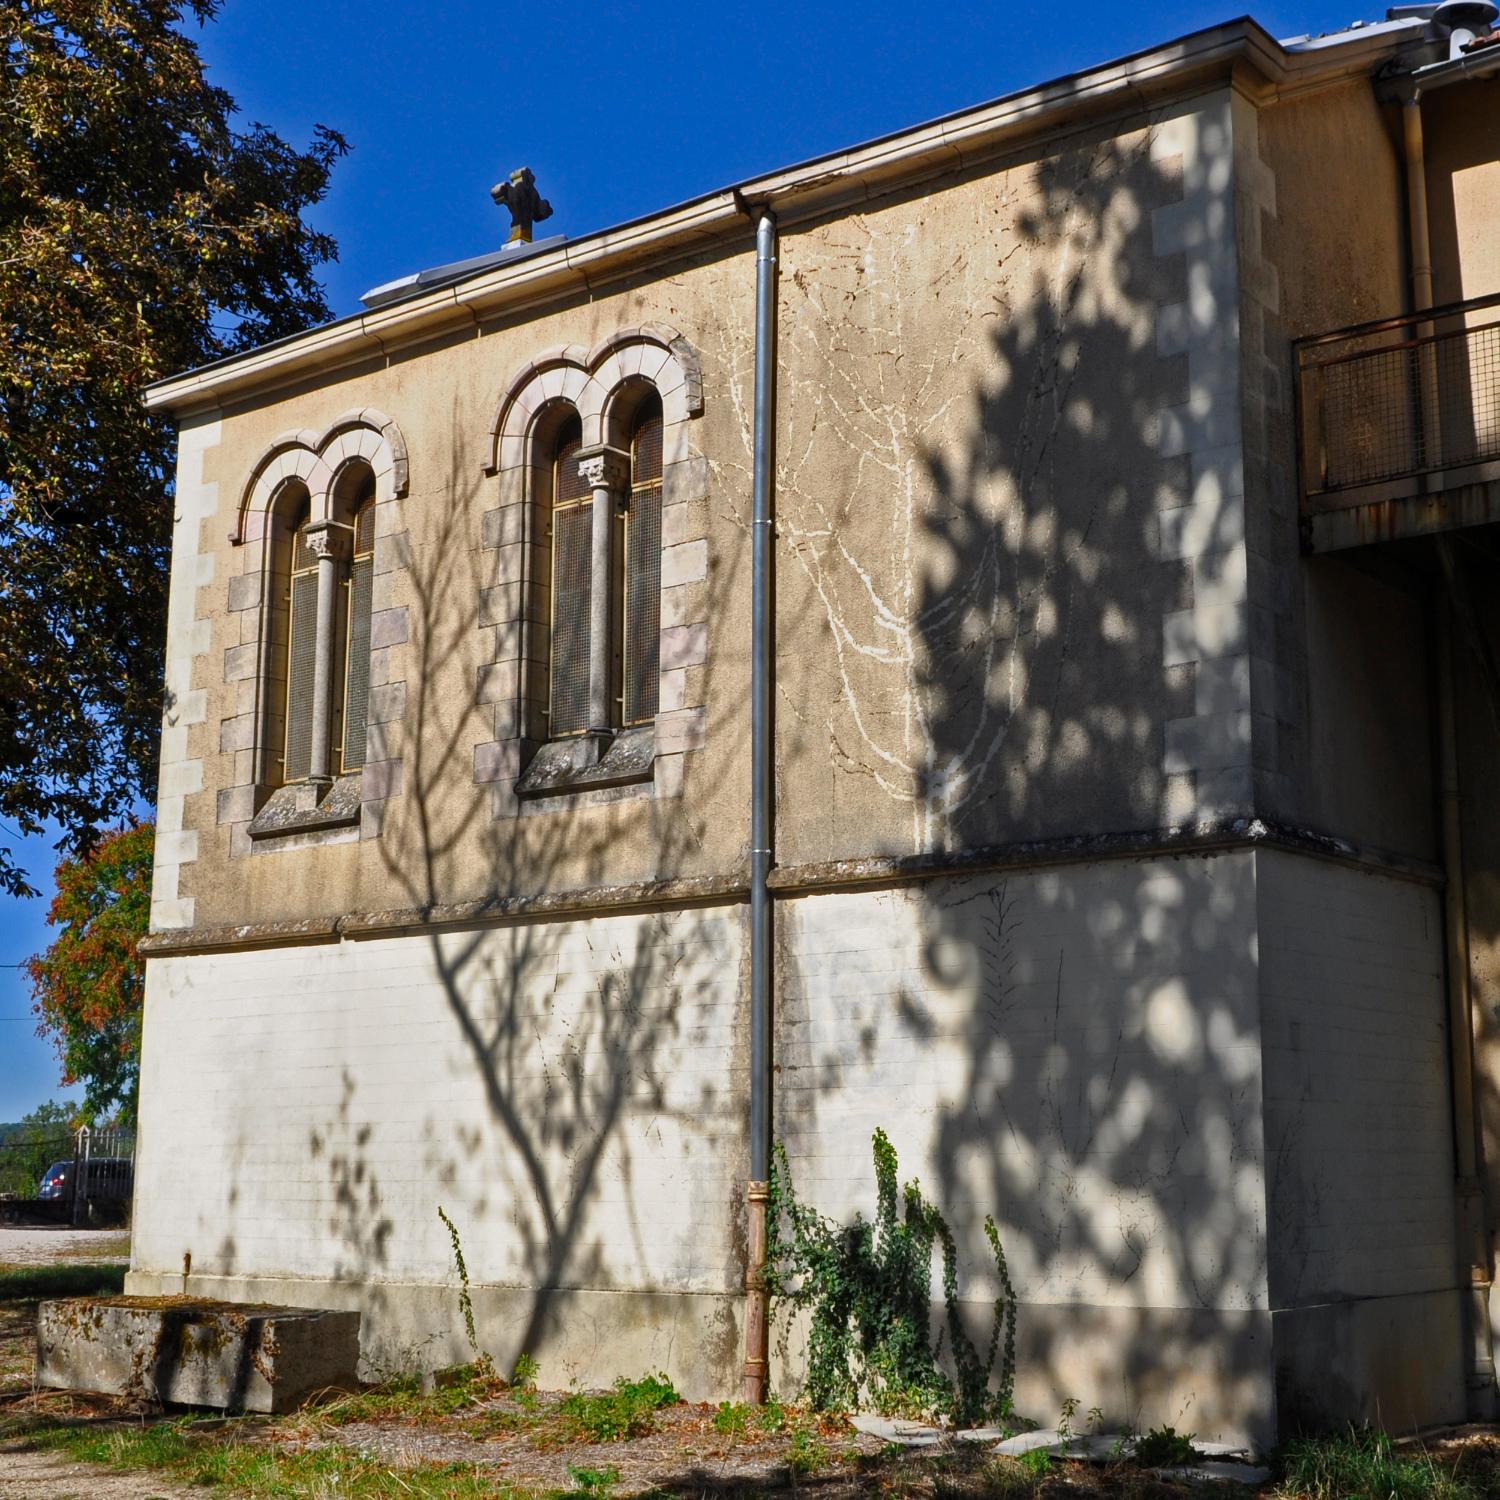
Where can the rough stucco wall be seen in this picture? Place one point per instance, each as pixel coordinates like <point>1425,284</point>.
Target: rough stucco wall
<point>1011,570</point>
<point>973,442</point>
<point>441,840</point>
<point>1077,1052</point>
<point>1369,716</point>
<point>1335,246</point>
<point>1461,138</point>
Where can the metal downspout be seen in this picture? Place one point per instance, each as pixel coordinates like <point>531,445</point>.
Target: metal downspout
<point>1419,245</point>
<point>757,1331</point>
<point>1473,1251</point>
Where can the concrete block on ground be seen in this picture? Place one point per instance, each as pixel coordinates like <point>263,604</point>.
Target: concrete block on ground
<point>192,1352</point>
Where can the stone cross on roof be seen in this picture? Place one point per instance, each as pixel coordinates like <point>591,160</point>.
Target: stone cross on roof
<point>526,205</point>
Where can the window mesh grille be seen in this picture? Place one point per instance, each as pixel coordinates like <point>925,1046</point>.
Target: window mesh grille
<point>642,653</point>
<point>571,485</point>
<point>357,686</point>
<point>645,464</point>
<point>572,568</point>
<point>302,654</point>
<point>364,528</point>
<point>643,604</point>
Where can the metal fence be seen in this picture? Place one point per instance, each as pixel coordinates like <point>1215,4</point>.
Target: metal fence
<point>1401,398</point>
<point>78,1177</point>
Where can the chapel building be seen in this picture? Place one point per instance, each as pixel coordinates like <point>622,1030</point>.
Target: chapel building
<point>1121,723</point>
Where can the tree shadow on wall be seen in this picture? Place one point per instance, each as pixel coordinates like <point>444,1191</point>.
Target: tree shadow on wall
<point>1085,1031</point>
<point>589,1063</point>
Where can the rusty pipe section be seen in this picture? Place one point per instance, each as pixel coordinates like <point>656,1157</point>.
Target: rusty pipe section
<point>762,791</point>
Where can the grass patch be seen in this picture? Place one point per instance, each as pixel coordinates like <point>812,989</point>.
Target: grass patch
<point>401,1399</point>
<point>627,1411</point>
<point>265,1473</point>
<point>732,1418</point>
<point>1363,1464</point>
<point>808,1453</point>
<point>34,1283</point>
<point>1164,1447</point>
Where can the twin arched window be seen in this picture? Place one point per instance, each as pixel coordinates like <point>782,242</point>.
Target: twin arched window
<point>320,597</point>
<point>627,657</point>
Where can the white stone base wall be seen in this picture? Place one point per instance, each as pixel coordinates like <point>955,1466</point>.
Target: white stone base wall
<point>570,1094</point>
<point>1076,1052</point>
<point>1359,1131</point>
<point>1096,1054</point>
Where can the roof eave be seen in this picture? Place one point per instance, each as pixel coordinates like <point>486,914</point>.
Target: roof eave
<point>1240,50</point>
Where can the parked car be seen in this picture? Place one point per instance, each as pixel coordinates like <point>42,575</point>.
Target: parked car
<point>110,1178</point>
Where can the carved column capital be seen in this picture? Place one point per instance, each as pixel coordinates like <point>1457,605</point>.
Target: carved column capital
<point>328,539</point>
<point>604,468</point>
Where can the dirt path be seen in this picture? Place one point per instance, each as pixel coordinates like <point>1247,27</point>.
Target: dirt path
<point>44,1476</point>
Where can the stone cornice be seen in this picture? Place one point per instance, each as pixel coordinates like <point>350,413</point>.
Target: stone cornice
<point>867,872</point>
<point>1239,52</point>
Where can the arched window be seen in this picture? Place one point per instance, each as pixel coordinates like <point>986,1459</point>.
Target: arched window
<point>327,641</point>
<point>571,532</point>
<point>642,554</point>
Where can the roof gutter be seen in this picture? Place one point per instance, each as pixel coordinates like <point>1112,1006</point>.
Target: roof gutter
<point>1240,51</point>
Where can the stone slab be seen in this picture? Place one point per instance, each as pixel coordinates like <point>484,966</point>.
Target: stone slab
<point>918,1434</point>
<point>191,1352</point>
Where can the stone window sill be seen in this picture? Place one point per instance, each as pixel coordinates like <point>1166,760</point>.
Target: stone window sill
<point>561,767</point>
<point>299,809</point>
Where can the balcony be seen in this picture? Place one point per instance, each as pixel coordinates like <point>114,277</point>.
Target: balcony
<point>1399,426</point>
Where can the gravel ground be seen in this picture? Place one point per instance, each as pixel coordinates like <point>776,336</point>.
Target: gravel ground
<point>49,1246</point>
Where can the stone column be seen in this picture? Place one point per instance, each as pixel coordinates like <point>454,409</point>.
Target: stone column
<point>329,543</point>
<point>606,470</point>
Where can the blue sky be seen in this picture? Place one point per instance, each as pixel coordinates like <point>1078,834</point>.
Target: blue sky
<point>620,110</point>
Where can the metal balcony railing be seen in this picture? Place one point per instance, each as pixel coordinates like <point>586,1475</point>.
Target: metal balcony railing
<point>1381,403</point>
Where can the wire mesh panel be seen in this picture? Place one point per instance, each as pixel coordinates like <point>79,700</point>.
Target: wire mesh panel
<point>572,574</point>
<point>302,656</point>
<point>642,644</point>
<point>357,681</point>
<point>1384,401</point>
<point>643,604</point>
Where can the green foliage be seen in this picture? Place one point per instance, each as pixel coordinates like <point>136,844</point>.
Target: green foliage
<point>523,1377</point>
<point>486,1367</point>
<point>866,1288</point>
<point>626,1411</point>
<point>140,234</point>
<point>773,1414</point>
<point>1164,1446</point>
<point>1065,1415</point>
<point>732,1418</point>
<point>1363,1464</point>
<point>593,1481</point>
<point>807,1454</point>
<point>89,986</point>
<point>1037,1463</point>
<point>30,1146</point>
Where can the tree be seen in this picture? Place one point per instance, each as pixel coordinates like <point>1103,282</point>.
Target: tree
<point>139,235</point>
<point>89,985</point>
<point>29,1147</point>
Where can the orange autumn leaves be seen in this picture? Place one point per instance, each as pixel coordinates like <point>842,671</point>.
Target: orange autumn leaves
<point>88,986</point>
